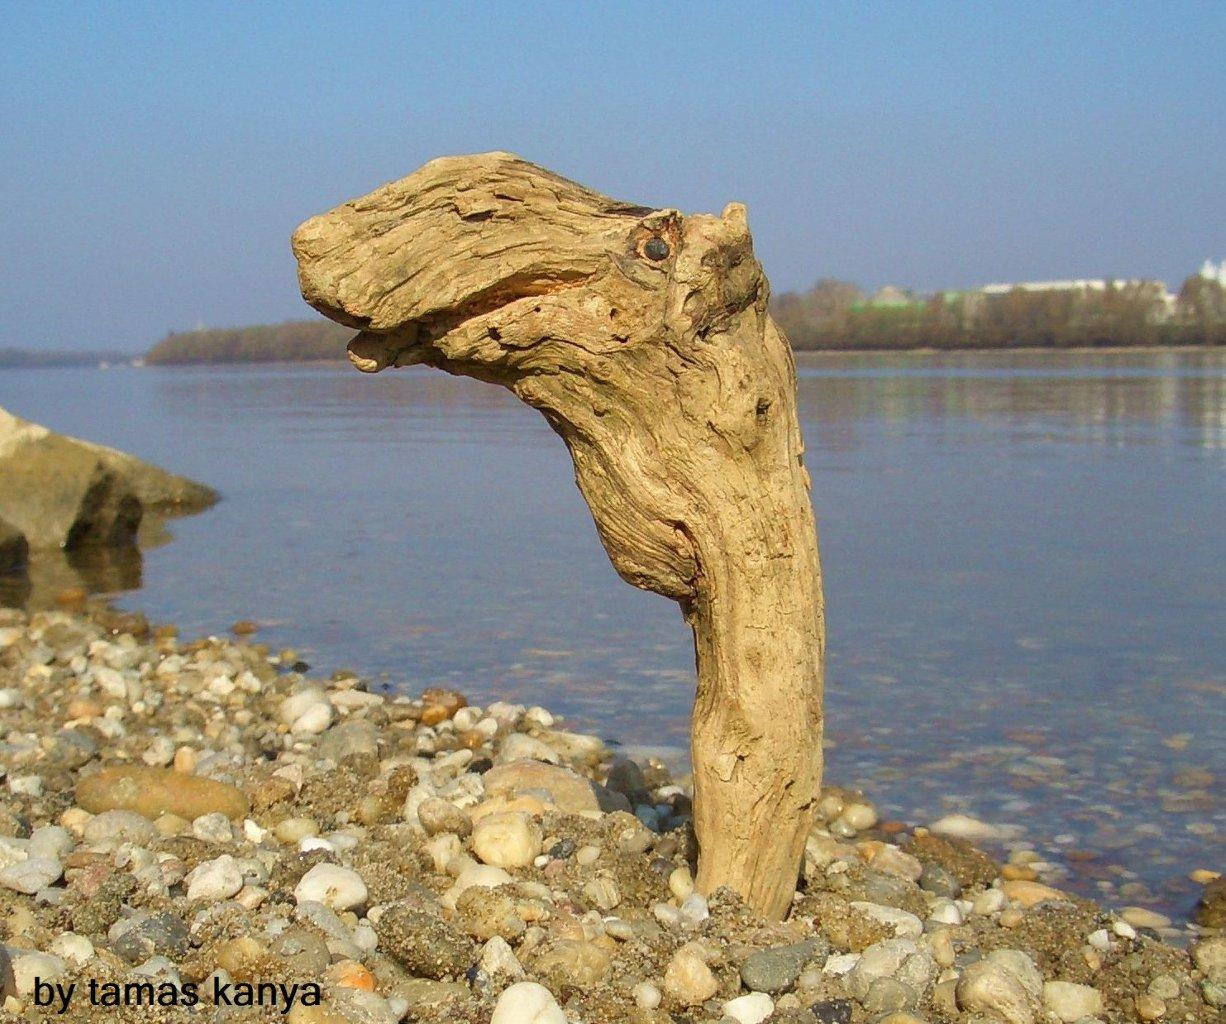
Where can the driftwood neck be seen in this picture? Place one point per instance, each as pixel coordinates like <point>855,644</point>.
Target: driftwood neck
<point>757,724</point>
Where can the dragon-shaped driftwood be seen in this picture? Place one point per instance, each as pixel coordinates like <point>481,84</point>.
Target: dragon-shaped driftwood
<point>643,337</point>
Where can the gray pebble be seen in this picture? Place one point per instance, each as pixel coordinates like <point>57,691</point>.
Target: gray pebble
<point>776,970</point>
<point>139,938</point>
<point>886,995</point>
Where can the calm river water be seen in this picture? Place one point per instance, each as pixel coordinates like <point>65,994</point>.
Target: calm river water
<point>1024,558</point>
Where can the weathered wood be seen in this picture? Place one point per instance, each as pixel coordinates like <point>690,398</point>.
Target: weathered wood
<point>642,336</point>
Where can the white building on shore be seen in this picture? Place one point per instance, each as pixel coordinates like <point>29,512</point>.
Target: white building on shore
<point>1088,285</point>
<point>1211,273</point>
<point>1157,289</point>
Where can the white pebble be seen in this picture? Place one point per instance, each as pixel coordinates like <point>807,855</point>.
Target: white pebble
<point>990,901</point>
<point>538,716</point>
<point>26,785</point>
<point>526,1002</point>
<point>51,841</point>
<point>751,1009</point>
<point>28,966</point>
<point>332,885</point>
<point>213,828</point>
<point>215,880</point>
<point>946,912</point>
<point>74,948</point>
<point>859,816</point>
<point>1100,940</point>
<point>1071,1002</point>
<point>905,925</point>
<point>498,959</point>
<point>481,875</point>
<point>841,963</point>
<point>646,995</point>
<point>29,876</point>
<point>693,911</point>
<point>310,843</point>
<point>313,721</point>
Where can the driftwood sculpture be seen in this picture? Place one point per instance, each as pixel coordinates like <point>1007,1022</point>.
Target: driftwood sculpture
<point>642,336</point>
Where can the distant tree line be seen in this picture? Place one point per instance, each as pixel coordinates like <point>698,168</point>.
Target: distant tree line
<point>838,315</point>
<point>292,341</point>
<point>24,358</point>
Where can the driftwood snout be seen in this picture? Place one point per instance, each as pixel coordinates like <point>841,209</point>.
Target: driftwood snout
<point>643,337</point>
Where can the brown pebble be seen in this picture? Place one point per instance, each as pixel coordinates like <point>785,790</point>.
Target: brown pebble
<point>244,627</point>
<point>154,791</point>
<point>449,700</point>
<point>71,599</point>
<point>350,974</point>
<point>1019,872</point>
<point>432,714</point>
<point>1150,1007</point>
<point>1028,893</point>
<point>83,708</point>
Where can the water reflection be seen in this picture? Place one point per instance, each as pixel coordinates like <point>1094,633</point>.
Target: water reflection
<point>1106,398</point>
<point>91,570</point>
<point>1023,559</point>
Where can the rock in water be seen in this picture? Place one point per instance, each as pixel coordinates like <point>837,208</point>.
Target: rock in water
<point>154,791</point>
<point>526,1002</point>
<point>61,492</point>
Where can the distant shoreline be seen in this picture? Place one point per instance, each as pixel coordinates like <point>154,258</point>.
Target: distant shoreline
<point>137,363</point>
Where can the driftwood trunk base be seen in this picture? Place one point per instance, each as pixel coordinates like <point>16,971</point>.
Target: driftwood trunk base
<point>643,338</point>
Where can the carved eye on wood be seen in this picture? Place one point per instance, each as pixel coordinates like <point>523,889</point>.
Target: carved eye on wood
<point>655,248</point>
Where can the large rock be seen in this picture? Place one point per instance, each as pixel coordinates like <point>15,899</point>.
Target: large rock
<point>564,789</point>
<point>60,492</point>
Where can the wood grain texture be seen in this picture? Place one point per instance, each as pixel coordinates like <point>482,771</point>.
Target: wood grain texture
<point>643,338</point>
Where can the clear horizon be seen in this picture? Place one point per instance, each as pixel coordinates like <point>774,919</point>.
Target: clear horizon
<point>156,159</point>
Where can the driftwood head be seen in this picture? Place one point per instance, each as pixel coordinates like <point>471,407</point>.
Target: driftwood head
<point>642,335</point>
<point>587,308</point>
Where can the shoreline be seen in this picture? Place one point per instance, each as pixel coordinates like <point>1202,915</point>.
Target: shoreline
<point>919,350</point>
<point>432,861</point>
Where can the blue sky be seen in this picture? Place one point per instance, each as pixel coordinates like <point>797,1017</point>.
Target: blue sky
<point>154,158</point>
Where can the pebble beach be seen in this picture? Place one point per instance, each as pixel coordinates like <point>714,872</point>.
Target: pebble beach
<point>205,830</point>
